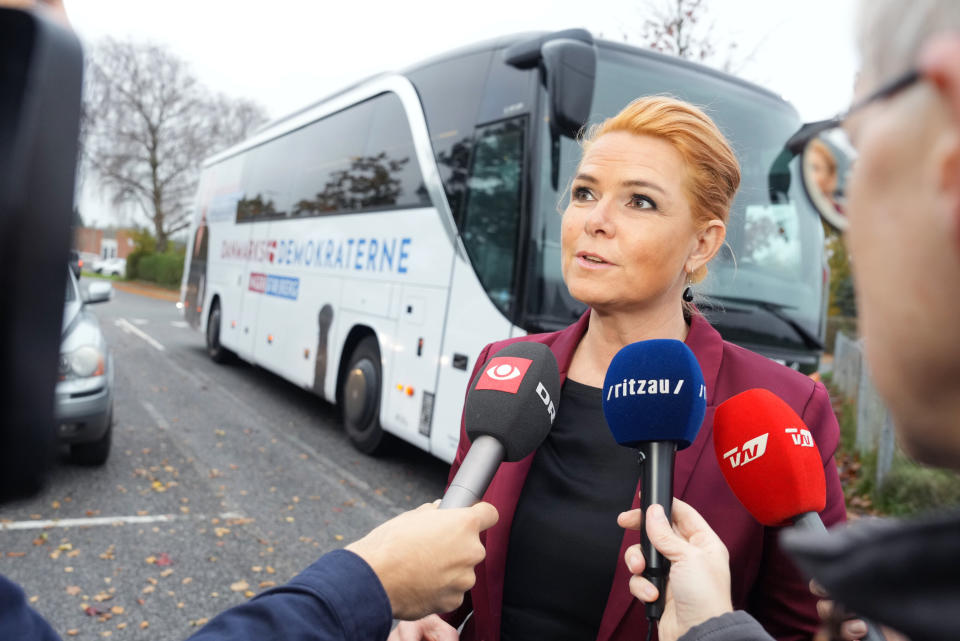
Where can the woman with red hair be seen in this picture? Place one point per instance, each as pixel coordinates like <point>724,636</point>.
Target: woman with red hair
<point>648,209</point>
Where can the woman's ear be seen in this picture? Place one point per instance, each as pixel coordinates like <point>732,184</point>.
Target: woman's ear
<point>708,241</point>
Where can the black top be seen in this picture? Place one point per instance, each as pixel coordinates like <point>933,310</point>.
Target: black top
<point>565,541</point>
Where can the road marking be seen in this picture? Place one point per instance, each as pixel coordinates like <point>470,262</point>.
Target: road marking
<point>139,321</point>
<point>130,328</point>
<point>180,324</point>
<point>107,520</point>
<point>155,415</point>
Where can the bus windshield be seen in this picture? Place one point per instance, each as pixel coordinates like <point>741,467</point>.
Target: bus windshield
<point>772,264</point>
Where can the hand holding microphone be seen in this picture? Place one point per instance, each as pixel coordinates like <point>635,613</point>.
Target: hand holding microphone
<point>654,400</point>
<point>699,586</point>
<point>508,412</point>
<point>772,464</point>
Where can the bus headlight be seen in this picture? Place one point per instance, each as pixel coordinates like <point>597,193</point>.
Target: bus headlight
<point>82,362</point>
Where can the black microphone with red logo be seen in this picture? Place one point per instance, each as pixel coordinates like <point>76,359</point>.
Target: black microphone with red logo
<point>508,412</point>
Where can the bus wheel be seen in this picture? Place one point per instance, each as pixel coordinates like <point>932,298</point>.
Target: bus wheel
<point>217,352</point>
<point>361,398</point>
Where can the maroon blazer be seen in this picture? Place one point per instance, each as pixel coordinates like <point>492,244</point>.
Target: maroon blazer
<point>764,582</point>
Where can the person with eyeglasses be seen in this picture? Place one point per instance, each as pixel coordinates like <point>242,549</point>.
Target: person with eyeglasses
<point>899,147</point>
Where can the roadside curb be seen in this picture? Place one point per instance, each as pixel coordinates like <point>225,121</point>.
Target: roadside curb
<point>148,291</point>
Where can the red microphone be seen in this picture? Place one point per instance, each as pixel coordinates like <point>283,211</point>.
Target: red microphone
<point>770,460</point>
<point>772,464</point>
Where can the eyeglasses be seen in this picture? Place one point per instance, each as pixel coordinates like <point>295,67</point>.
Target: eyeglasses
<point>827,155</point>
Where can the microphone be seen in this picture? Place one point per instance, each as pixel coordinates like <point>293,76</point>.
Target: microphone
<point>770,460</point>
<point>772,464</point>
<point>508,412</point>
<point>654,400</point>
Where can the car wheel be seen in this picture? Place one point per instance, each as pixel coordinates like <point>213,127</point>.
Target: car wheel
<point>97,452</point>
<point>360,398</point>
<point>218,353</point>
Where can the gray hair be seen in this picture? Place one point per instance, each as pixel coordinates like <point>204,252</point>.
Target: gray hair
<point>891,32</point>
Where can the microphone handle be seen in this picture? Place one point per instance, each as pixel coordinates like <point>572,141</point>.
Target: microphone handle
<point>811,522</point>
<point>656,486</point>
<point>474,476</point>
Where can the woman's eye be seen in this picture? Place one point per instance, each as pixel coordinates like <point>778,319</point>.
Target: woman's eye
<point>582,194</point>
<point>642,202</point>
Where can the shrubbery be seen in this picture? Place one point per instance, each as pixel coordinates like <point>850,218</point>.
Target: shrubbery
<point>165,269</point>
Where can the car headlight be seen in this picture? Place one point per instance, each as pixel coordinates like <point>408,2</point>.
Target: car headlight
<point>82,362</point>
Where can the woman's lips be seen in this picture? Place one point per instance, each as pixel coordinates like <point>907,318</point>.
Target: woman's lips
<point>592,261</point>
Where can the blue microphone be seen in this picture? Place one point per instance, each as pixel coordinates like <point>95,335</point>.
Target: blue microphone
<point>654,400</point>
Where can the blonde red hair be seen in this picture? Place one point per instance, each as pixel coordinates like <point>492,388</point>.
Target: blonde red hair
<point>713,172</point>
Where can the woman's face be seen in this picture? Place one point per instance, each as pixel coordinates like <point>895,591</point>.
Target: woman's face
<point>628,235</point>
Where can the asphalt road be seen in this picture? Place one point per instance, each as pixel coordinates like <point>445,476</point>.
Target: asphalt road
<point>223,480</point>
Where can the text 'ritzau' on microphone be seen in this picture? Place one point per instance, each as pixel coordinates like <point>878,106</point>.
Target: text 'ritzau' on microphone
<point>654,400</point>
<point>508,412</point>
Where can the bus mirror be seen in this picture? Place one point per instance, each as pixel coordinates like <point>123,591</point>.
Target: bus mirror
<point>570,67</point>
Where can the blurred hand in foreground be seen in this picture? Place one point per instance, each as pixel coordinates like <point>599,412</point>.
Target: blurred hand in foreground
<point>425,558</point>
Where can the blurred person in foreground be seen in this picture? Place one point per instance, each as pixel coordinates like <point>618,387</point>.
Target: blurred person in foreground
<point>648,208</point>
<point>419,562</point>
<point>903,213</point>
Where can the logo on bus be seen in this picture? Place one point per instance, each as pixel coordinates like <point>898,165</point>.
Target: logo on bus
<point>376,255</point>
<point>280,286</point>
<point>504,374</point>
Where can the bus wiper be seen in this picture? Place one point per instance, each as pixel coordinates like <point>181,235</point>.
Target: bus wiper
<point>811,341</point>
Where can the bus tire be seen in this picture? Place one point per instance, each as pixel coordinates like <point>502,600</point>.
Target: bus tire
<point>360,396</point>
<point>217,352</point>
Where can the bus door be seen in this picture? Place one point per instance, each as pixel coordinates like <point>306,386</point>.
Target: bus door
<point>483,288</point>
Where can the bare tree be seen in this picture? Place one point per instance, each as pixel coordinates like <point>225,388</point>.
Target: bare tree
<point>148,124</point>
<point>685,29</point>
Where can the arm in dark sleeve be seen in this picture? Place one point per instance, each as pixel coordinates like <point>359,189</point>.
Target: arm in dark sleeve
<point>733,626</point>
<point>458,616</point>
<point>17,619</point>
<point>781,600</point>
<point>339,597</point>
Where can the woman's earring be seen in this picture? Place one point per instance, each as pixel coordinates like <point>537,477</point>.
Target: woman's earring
<point>688,294</point>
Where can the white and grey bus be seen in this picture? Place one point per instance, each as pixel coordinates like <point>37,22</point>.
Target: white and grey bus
<point>368,246</point>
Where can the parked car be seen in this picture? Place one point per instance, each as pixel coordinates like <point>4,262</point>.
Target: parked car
<point>84,393</point>
<point>110,266</point>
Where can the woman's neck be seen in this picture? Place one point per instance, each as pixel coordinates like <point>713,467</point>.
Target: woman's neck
<point>609,332</point>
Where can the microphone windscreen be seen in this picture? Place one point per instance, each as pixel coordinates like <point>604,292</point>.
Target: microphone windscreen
<point>515,398</point>
<point>768,457</point>
<point>654,391</point>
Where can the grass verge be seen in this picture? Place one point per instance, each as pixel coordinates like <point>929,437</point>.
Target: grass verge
<point>909,487</point>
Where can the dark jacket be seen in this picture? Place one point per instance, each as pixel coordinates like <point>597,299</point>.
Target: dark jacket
<point>900,574</point>
<point>337,598</point>
<point>764,581</point>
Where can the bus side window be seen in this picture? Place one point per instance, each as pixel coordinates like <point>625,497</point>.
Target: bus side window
<point>394,178</point>
<point>491,218</point>
<point>451,92</point>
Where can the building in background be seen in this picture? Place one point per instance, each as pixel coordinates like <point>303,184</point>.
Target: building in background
<point>103,243</point>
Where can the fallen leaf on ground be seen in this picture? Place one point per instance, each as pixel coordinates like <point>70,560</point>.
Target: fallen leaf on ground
<point>73,590</point>
<point>91,611</point>
<point>144,625</point>
<point>117,609</point>
<point>239,586</point>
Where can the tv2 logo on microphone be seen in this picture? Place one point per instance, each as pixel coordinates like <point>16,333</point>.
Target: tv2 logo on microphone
<point>757,447</point>
<point>749,451</point>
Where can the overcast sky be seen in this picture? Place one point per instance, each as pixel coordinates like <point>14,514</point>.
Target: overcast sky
<point>289,53</point>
